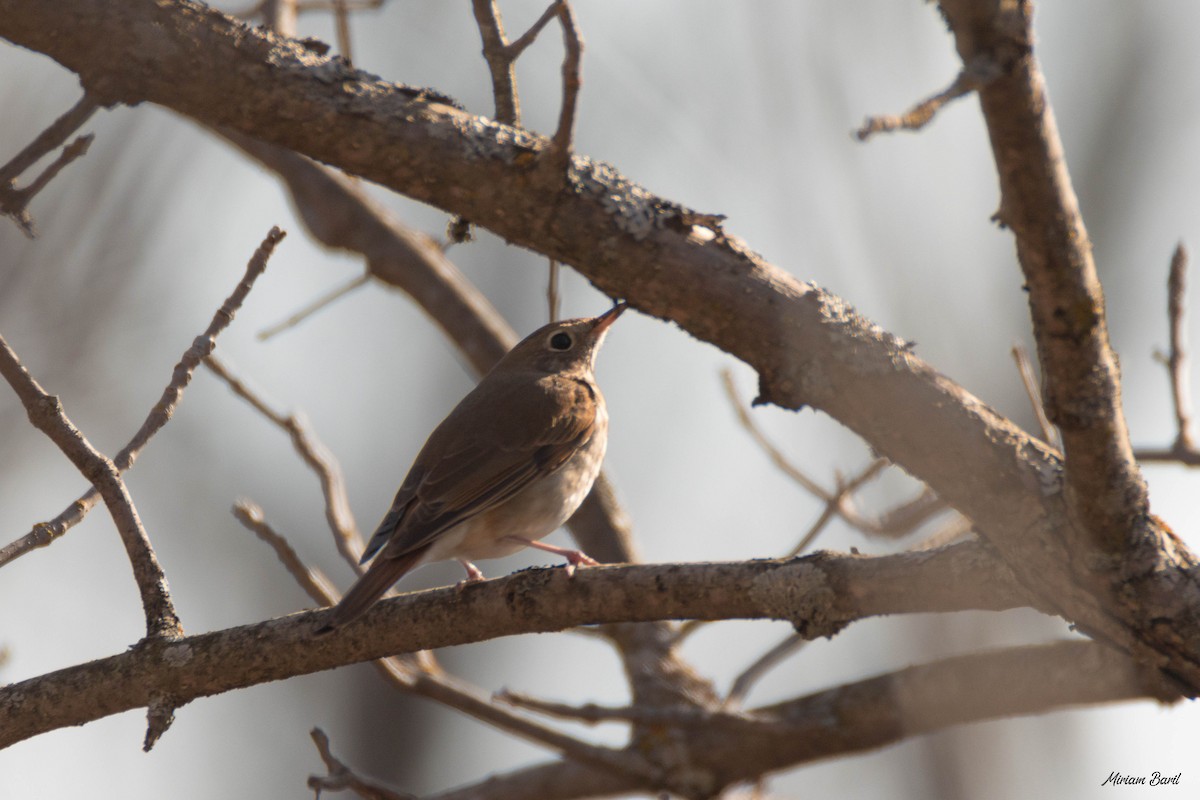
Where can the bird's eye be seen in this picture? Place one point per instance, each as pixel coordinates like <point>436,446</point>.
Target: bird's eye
<point>561,341</point>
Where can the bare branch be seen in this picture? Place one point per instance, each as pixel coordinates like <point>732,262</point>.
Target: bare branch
<point>313,581</point>
<point>838,590</point>
<point>516,48</point>
<point>950,533</point>
<point>894,523</point>
<point>1104,489</point>
<point>1183,450</point>
<point>762,665</point>
<point>559,153</point>
<point>340,777</point>
<point>1177,358</point>
<point>976,74</point>
<point>860,716</point>
<point>501,56</point>
<point>318,458</point>
<point>1025,368</point>
<point>833,505</point>
<point>776,455</point>
<point>552,299</point>
<point>501,63</point>
<point>339,214</point>
<point>47,415</point>
<point>593,714</point>
<point>878,711</point>
<point>341,17</point>
<point>13,201</point>
<point>44,533</point>
<point>304,6</point>
<point>313,307</point>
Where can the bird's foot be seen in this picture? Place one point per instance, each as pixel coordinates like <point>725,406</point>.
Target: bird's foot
<point>575,558</point>
<point>474,575</point>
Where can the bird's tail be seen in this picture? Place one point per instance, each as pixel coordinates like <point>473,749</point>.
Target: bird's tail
<point>378,578</point>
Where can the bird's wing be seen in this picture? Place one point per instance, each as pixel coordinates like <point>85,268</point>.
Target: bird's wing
<point>520,430</point>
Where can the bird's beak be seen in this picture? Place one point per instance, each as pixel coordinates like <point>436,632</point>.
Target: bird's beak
<point>608,318</point>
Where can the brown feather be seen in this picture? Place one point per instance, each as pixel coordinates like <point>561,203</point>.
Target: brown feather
<point>483,464</point>
<point>378,578</point>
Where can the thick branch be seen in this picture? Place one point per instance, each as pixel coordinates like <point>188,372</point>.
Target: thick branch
<point>858,717</point>
<point>819,594</point>
<point>1079,369</point>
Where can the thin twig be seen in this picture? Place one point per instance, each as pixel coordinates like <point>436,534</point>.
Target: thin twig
<point>560,145</point>
<point>501,56</point>
<point>281,16</point>
<point>1177,358</point>
<point>341,777</point>
<point>835,505</point>
<point>500,62</point>
<point>776,455</point>
<point>318,458</point>
<point>313,307</point>
<point>1183,450</point>
<point>976,74</point>
<point>341,17</point>
<point>953,531</point>
<point>761,666</point>
<point>552,298</point>
<point>1025,368</point>
<point>313,581</point>
<point>832,506</point>
<point>516,48</point>
<point>894,523</point>
<point>43,533</point>
<point>902,519</point>
<point>329,5</point>
<point>593,714</point>
<point>47,415</point>
<point>13,201</point>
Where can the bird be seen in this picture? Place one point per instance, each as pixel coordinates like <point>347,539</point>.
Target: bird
<point>506,467</point>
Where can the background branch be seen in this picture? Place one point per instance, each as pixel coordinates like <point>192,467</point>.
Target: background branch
<point>47,415</point>
<point>44,533</point>
<point>13,201</point>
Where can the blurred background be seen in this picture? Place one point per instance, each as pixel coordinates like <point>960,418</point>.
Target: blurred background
<point>740,109</point>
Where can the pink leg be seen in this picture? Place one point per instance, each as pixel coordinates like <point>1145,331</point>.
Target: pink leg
<point>474,575</point>
<point>575,558</point>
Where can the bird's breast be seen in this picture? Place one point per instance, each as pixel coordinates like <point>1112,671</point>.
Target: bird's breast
<point>540,508</point>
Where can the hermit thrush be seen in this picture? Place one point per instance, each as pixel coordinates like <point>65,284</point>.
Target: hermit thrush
<point>508,466</point>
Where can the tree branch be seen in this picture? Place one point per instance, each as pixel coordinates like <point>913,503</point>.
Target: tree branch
<point>315,455</point>
<point>971,78</point>
<point>44,533</point>
<point>818,594</point>
<point>13,201</point>
<point>47,415</point>
<point>1104,487</point>
<point>858,717</point>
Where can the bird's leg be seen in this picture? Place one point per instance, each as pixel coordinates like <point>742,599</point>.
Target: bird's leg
<point>474,574</point>
<point>575,558</point>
